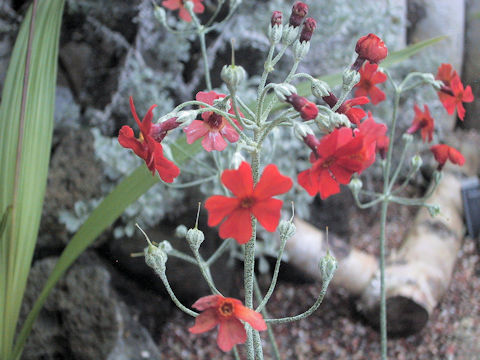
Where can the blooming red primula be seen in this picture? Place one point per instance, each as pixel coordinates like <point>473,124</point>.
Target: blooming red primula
<point>369,77</point>
<point>444,152</point>
<point>424,122</point>
<point>446,73</point>
<point>355,115</point>
<point>148,146</point>
<point>227,313</point>
<point>454,96</point>
<point>248,200</point>
<point>198,7</point>
<point>338,156</point>
<point>213,128</point>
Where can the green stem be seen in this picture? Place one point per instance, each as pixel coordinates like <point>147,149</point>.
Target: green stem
<point>177,302</point>
<point>383,301</point>
<point>204,269</point>
<point>221,249</point>
<point>203,47</point>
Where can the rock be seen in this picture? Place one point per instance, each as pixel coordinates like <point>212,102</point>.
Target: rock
<point>73,175</point>
<point>83,318</point>
<point>471,66</point>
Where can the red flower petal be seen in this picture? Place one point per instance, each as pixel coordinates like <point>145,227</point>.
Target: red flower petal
<point>127,139</point>
<point>327,185</point>
<point>167,170</point>
<point>219,207</point>
<point>308,182</point>
<point>271,183</point>
<point>267,213</point>
<point>213,140</point>
<point>238,225</point>
<point>239,182</point>
<point>172,4</point>
<point>207,302</point>
<point>206,321</point>
<point>230,333</point>
<point>250,316</point>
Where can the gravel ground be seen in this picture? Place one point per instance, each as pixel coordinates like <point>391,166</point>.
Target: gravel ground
<point>337,331</point>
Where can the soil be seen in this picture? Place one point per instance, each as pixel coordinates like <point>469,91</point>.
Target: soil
<point>336,330</point>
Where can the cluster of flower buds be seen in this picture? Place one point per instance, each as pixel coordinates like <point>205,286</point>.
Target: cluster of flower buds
<point>291,30</point>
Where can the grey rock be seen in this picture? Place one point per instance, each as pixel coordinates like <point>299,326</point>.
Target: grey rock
<point>67,112</point>
<point>471,66</point>
<point>73,175</point>
<point>83,317</point>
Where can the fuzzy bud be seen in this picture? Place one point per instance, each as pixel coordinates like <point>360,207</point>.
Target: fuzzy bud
<point>275,29</point>
<point>302,130</point>
<point>289,34</point>
<point>185,117</point>
<point>188,5</point>
<point>434,210</point>
<point>286,229</point>
<point>181,231</point>
<point>338,120</point>
<point>237,159</point>
<point>299,11</point>
<point>320,88</point>
<point>160,14</point>
<point>350,79</point>
<point>355,186</point>
<point>408,138</point>
<point>328,266</point>
<point>416,162</point>
<point>284,90</point>
<point>300,50</point>
<point>156,258</point>
<point>309,27</point>
<point>195,238</point>
<point>233,75</point>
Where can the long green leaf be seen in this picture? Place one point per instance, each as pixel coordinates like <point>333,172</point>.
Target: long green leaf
<point>23,175</point>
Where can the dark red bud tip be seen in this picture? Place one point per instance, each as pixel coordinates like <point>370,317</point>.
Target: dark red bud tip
<point>309,27</point>
<point>299,11</point>
<point>277,18</point>
<point>371,48</point>
<point>307,109</point>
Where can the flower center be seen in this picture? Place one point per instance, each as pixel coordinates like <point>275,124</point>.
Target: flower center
<point>247,202</point>
<point>226,309</point>
<point>215,121</point>
<point>328,161</point>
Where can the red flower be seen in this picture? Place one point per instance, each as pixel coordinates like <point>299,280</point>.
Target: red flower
<point>444,152</point>
<point>371,48</point>
<point>307,109</point>
<point>213,128</point>
<point>309,27</point>
<point>373,135</point>
<point>446,73</point>
<point>424,122</point>
<point>454,95</point>
<point>226,312</point>
<point>339,155</point>
<point>148,146</point>
<point>198,7</point>
<point>383,142</point>
<point>369,77</point>
<point>248,200</point>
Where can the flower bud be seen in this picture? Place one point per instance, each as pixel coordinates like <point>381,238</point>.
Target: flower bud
<point>309,27</point>
<point>299,11</point>
<point>195,238</point>
<point>233,75</point>
<point>275,29</point>
<point>437,176</point>
<point>350,79</point>
<point>328,266</point>
<point>237,159</point>
<point>408,138</point>
<point>290,34</point>
<point>160,14</point>
<point>181,231</point>
<point>185,117</point>
<point>320,88</point>
<point>302,130</point>
<point>355,186</point>
<point>188,5</point>
<point>416,162</point>
<point>338,120</point>
<point>307,109</point>
<point>300,50</point>
<point>286,229</point>
<point>284,90</point>
<point>371,48</point>
<point>156,258</point>
<point>434,210</point>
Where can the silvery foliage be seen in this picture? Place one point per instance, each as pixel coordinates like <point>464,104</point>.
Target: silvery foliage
<point>67,111</point>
